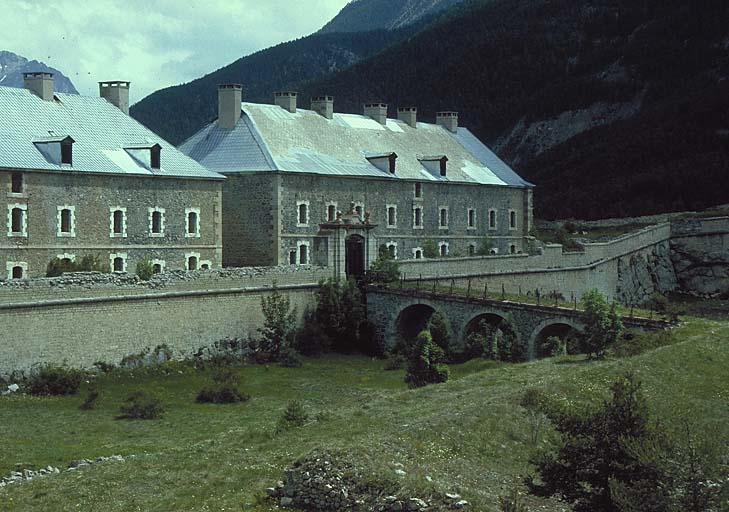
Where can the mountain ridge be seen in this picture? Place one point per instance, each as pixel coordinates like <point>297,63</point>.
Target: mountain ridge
<point>12,67</point>
<point>364,15</point>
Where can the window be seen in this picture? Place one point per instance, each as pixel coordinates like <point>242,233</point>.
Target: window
<point>292,257</point>
<point>156,222</point>
<point>418,190</point>
<point>443,249</point>
<point>492,219</point>
<point>17,269</point>
<point>118,262</point>
<point>512,249</point>
<point>417,218</point>
<point>192,260</point>
<point>418,253</point>
<point>471,249</point>
<point>155,156</point>
<point>158,266</point>
<point>391,216</point>
<point>303,253</point>
<point>302,213</point>
<point>117,222</point>
<point>331,212</point>
<point>192,229</point>
<point>205,265</point>
<point>17,220</point>
<point>443,218</point>
<point>66,153</point>
<point>494,252</point>
<point>512,219</point>
<point>16,183</point>
<point>471,218</point>
<point>66,221</point>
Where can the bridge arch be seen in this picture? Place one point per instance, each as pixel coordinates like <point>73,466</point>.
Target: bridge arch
<point>498,320</point>
<point>412,319</point>
<point>560,327</point>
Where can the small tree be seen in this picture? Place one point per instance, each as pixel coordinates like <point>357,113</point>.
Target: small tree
<point>279,323</point>
<point>340,313</point>
<point>145,270</point>
<point>440,331</point>
<point>425,362</point>
<point>602,325</point>
<point>430,249</point>
<point>534,400</point>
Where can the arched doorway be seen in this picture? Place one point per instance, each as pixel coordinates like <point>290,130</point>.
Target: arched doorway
<point>412,320</point>
<point>565,332</point>
<point>354,256</point>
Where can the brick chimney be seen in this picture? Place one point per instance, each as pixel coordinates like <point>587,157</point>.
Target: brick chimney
<point>323,105</point>
<point>229,99</point>
<point>448,120</point>
<point>377,111</point>
<point>116,93</point>
<point>40,84</point>
<point>286,100</point>
<point>408,115</point>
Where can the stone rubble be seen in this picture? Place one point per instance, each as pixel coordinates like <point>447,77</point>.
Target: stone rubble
<point>28,474</point>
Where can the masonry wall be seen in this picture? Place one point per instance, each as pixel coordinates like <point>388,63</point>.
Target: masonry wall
<point>91,197</point>
<point>250,219</point>
<point>84,323</point>
<point>377,195</point>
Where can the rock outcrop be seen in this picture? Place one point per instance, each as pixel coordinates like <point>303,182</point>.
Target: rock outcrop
<point>701,271</point>
<point>643,275</point>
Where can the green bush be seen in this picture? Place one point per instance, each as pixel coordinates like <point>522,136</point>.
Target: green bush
<point>294,415</point>
<point>141,405</point>
<point>394,362</point>
<point>440,331</point>
<point>425,362</point>
<point>225,388</point>
<point>55,380</point>
<point>384,269</point>
<point>340,312</point>
<point>279,323</point>
<point>312,340</point>
<point>430,249</point>
<point>603,326</point>
<point>554,346</point>
<point>145,270</point>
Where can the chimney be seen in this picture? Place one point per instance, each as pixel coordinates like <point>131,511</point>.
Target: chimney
<point>286,100</point>
<point>40,84</point>
<point>408,115</point>
<point>377,111</point>
<point>116,93</point>
<point>229,99</point>
<point>323,105</point>
<point>448,120</point>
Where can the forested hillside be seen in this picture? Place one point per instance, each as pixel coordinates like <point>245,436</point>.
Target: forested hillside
<point>363,15</point>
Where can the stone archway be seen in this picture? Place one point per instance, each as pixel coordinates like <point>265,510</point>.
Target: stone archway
<point>412,320</point>
<point>503,327</point>
<point>562,328</point>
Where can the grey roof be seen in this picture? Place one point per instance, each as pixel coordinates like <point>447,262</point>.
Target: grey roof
<point>269,138</point>
<point>101,134</point>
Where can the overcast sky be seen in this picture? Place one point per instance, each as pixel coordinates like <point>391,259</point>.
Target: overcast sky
<point>152,43</point>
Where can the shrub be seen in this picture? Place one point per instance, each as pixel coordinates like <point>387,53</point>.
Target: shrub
<point>603,326</point>
<point>512,502</point>
<point>288,358</point>
<point>394,362</point>
<point>145,270</point>
<point>554,346</point>
<point>294,415</point>
<point>312,340</point>
<point>278,326</point>
<point>141,405</point>
<point>425,362</point>
<point>340,312</point>
<point>430,249</point>
<point>55,380</point>
<point>384,269</point>
<point>89,263</point>
<point>90,400</point>
<point>535,401</point>
<point>440,331</point>
<point>225,388</point>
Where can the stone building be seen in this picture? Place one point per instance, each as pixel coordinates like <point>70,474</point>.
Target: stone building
<point>315,186</point>
<point>79,177</point>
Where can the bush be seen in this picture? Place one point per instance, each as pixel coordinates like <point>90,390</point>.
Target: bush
<point>485,248</point>
<point>294,415</point>
<point>55,380</point>
<point>430,249</point>
<point>288,358</point>
<point>145,270</point>
<point>90,400</point>
<point>512,502</point>
<point>535,401</point>
<point>394,362</point>
<point>425,362</point>
<point>440,331</point>
<point>603,326</point>
<point>384,269</point>
<point>141,405</point>
<point>312,340</point>
<point>554,346</point>
<point>278,327</point>
<point>340,312</point>
<point>225,389</point>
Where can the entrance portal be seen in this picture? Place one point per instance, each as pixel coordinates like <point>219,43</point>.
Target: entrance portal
<point>354,254</point>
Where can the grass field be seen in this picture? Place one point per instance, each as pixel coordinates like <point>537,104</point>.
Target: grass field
<point>468,435</point>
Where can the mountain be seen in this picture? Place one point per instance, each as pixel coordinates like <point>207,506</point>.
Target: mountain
<point>178,112</point>
<point>13,66</point>
<point>611,107</point>
<point>364,15</point>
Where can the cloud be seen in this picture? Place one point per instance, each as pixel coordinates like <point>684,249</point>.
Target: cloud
<point>153,43</point>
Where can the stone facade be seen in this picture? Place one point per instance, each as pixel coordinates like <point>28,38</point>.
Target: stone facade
<point>92,201</point>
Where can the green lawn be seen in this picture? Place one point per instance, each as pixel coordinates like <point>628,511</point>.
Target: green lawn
<point>468,435</point>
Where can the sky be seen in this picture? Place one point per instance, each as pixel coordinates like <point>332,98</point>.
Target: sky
<point>152,43</point>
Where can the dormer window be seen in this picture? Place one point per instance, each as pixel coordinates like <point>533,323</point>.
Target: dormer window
<point>146,154</point>
<point>436,165</point>
<point>56,149</point>
<point>384,162</point>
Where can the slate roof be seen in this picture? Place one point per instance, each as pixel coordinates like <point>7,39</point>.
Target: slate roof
<point>101,132</point>
<point>269,138</point>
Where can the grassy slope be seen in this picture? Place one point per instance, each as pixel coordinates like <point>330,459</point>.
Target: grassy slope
<point>467,434</point>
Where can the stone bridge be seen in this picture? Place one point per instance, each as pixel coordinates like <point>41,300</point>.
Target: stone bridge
<point>403,312</point>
